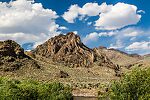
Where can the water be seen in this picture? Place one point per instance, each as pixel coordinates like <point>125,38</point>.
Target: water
<point>84,98</point>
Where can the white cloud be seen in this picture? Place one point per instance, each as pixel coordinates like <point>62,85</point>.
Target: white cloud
<point>141,11</point>
<point>120,37</point>
<point>119,16</point>
<point>132,32</point>
<point>91,37</point>
<point>111,33</point>
<point>111,17</point>
<point>117,45</point>
<point>26,21</point>
<point>126,32</point>
<point>75,32</point>
<point>63,28</point>
<point>23,37</point>
<point>89,9</point>
<point>93,9</point>
<point>71,14</point>
<point>144,45</point>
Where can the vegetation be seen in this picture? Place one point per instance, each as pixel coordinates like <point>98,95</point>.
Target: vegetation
<point>133,86</point>
<point>31,90</point>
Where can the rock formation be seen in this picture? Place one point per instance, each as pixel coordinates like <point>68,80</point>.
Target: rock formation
<point>102,59</point>
<point>12,56</point>
<point>69,49</point>
<point>11,48</point>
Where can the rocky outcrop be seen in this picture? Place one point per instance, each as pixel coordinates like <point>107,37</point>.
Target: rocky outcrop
<point>69,49</point>
<point>11,48</point>
<point>12,56</point>
<point>66,49</point>
<point>102,59</point>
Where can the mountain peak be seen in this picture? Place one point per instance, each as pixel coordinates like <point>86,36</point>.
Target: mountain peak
<point>71,34</point>
<point>68,49</point>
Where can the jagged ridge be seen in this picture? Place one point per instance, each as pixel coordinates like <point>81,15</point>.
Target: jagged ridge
<point>70,50</point>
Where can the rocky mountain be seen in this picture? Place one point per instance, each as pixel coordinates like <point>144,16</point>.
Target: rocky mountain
<point>12,56</point>
<point>66,59</point>
<point>69,49</point>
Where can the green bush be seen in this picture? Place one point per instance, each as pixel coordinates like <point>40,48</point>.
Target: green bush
<point>31,90</point>
<point>133,86</point>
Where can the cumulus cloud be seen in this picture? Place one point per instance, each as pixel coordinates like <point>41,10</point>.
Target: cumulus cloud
<point>111,17</point>
<point>89,9</point>
<point>71,14</point>
<point>24,37</point>
<point>93,9</point>
<point>119,16</point>
<point>127,32</point>
<point>27,21</point>
<point>90,37</point>
<point>120,38</point>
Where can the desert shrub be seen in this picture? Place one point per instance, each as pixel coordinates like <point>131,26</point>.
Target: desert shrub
<point>133,86</point>
<point>32,90</point>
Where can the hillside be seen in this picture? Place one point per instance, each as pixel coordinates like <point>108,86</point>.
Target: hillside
<point>119,57</point>
<point>66,59</point>
<point>63,58</point>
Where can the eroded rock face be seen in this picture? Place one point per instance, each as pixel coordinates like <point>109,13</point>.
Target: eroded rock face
<point>12,56</point>
<point>67,49</point>
<point>102,59</point>
<point>70,50</point>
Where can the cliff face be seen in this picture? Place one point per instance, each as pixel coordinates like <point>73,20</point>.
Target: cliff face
<point>70,50</point>
<point>12,56</point>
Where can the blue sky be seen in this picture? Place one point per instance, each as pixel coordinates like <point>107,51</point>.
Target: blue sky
<point>119,24</point>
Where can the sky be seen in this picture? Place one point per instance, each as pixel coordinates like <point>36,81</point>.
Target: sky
<point>118,24</point>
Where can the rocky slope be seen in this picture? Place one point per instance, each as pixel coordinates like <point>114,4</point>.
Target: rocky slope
<point>12,57</point>
<point>69,49</point>
<point>119,57</point>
